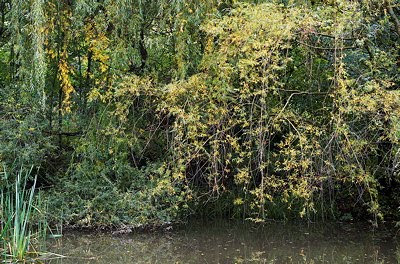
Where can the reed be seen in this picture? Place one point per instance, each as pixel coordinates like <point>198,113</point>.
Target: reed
<point>17,207</point>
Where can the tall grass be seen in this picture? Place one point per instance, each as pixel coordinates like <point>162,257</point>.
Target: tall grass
<point>17,207</point>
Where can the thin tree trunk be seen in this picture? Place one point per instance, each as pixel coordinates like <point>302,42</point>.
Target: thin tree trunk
<point>142,50</point>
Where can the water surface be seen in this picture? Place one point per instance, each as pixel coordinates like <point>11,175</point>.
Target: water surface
<point>232,242</point>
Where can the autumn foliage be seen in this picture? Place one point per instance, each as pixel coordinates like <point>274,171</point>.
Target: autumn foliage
<point>143,112</point>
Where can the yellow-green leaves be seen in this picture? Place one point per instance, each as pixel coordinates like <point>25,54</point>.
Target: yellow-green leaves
<point>65,82</point>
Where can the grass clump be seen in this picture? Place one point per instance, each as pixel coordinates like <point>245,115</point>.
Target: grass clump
<point>18,209</point>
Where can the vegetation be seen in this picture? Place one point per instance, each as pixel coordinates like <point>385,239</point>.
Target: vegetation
<point>18,230</point>
<point>144,112</point>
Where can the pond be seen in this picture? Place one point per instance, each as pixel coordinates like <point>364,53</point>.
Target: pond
<point>232,242</point>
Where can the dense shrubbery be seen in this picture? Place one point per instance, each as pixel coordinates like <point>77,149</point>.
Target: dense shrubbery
<point>142,112</point>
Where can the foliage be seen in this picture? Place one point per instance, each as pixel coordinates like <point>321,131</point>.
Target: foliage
<point>143,111</point>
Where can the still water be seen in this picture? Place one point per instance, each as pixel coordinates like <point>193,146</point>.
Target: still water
<point>232,242</point>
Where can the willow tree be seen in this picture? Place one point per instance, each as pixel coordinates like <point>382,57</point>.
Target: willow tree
<point>23,83</point>
<point>290,107</point>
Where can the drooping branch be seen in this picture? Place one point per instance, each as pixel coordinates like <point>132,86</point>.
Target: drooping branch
<point>3,14</point>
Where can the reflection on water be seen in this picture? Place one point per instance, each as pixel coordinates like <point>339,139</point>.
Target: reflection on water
<point>228,242</point>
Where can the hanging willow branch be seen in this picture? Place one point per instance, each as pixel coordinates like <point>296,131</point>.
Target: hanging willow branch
<point>39,63</point>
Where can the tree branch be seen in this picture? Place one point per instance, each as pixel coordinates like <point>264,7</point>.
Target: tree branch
<point>393,15</point>
<point>68,134</point>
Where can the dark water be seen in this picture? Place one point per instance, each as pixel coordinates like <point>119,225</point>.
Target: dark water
<point>229,242</point>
